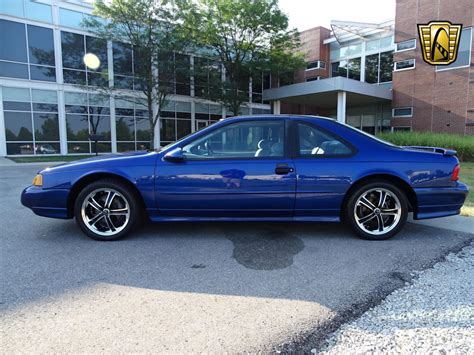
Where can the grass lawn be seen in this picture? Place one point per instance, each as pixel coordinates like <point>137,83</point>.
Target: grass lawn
<point>46,158</point>
<point>467,176</point>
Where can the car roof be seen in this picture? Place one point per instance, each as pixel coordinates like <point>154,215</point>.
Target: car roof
<point>281,116</point>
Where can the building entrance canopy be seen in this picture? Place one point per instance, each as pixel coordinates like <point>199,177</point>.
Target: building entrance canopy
<point>329,93</point>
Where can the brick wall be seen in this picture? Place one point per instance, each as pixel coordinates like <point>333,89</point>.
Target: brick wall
<point>442,101</point>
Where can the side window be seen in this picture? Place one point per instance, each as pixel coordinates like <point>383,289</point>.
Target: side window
<point>317,143</point>
<point>254,139</point>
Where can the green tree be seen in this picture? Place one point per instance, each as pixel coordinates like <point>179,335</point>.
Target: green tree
<point>153,30</point>
<point>248,37</point>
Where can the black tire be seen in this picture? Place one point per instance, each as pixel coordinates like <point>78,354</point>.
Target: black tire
<point>125,193</point>
<point>398,222</point>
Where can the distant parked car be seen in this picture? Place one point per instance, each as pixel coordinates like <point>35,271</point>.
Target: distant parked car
<point>45,149</point>
<point>256,168</point>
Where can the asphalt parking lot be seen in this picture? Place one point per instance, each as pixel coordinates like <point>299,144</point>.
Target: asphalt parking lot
<point>192,287</point>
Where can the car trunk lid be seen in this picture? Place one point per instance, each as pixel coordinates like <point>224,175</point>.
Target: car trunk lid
<point>443,151</point>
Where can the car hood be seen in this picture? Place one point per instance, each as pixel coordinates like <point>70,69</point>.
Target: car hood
<point>107,160</point>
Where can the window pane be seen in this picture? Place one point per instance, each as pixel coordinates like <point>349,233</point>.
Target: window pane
<point>386,66</point>
<point>45,108</point>
<point>99,100</point>
<point>70,18</point>
<point>143,145</point>
<point>77,127</point>
<point>38,11</point>
<point>386,41</point>
<point>97,79</point>
<point>404,64</point>
<point>20,148</point>
<point>100,125</point>
<point>46,127</point>
<point>183,128</point>
<point>123,82</point>
<point>102,147</point>
<point>404,111</point>
<point>13,42</point>
<point>464,51</point>
<point>339,68</point>
<point>41,45</point>
<point>353,49</point>
<point>406,45</point>
<point>125,147</point>
<point>240,140</point>
<point>99,111</point>
<point>18,126</point>
<point>125,103</point>
<point>354,69</point>
<point>76,109</point>
<point>13,70</point>
<point>75,77</point>
<point>16,94</point>
<point>124,111</point>
<point>123,63</point>
<point>16,106</point>
<point>47,148</point>
<point>371,68</point>
<point>42,73</point>
<point>45,96</point>
<point>73,50</point>
<point>73,98</point>
<point>372,45</point>
<point>98,47</point>
<point>125,128</point>
<point>168,130</point>
<point>78,148</point>
<point>143,129</point>
<point>314,142</point>
<point>12,7</point>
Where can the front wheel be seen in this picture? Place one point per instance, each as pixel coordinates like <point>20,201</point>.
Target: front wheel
<point>377,211</point>
<point>106,210</point>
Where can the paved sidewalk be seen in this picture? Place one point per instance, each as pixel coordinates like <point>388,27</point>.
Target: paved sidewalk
<point>6,162</point>
<point>10,163</point>
<point>454,223</point>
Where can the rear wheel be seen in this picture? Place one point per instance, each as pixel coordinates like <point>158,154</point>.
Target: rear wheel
<point>377,211</point>
<point>106,210</point>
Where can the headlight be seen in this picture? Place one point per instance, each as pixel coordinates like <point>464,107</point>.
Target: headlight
<point>38,180</point>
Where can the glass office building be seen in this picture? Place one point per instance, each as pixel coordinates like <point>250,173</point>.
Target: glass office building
<point>48,104</point>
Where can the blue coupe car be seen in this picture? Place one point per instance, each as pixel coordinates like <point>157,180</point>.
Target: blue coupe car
<point>257,168</point>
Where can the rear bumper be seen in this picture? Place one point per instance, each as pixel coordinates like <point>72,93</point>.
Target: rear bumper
<point>440,201</point>
<point>46,203</point>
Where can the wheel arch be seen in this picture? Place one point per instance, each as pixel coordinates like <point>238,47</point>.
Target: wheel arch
<point>84,180</point>
<point>385,177</point>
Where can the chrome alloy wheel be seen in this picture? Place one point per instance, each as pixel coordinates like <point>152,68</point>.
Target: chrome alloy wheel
<point>377,211</point>
<point>105,212</point>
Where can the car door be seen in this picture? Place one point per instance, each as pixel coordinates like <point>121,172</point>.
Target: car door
<point>239,169</point>
<point>324,163</point>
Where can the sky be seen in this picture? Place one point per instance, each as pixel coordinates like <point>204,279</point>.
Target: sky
<point>305,14</point>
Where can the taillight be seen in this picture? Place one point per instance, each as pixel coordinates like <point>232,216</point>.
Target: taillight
<point>455,174</point>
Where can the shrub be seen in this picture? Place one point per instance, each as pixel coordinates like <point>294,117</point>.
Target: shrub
<point>464,145</point>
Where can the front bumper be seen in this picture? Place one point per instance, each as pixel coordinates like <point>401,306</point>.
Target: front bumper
<point>440,201</point>
<point>46,202</point>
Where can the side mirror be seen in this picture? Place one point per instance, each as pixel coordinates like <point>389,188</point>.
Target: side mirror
<point>174,156</point>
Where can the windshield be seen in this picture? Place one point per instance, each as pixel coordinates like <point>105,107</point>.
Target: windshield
<point>160,149</point>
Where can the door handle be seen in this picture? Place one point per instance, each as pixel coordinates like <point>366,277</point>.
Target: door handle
<point>283,169</point>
